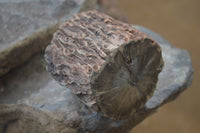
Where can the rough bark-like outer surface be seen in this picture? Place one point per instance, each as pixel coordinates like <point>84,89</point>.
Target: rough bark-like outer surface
<point>110,65</point>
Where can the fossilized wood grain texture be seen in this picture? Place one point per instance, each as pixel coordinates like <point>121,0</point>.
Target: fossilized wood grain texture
<point>112,67</point>
<point>67,114</point>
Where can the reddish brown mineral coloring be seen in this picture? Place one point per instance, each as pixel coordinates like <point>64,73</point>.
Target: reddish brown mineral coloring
<point>112,67</point>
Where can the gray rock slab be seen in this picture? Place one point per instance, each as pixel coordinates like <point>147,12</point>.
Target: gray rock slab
<point>52,105</point>
<point>26,26</point>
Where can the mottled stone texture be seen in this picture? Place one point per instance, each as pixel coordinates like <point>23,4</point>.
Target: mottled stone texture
<point>52,108</point>
<point>26,27</point>
<point>108,64</point>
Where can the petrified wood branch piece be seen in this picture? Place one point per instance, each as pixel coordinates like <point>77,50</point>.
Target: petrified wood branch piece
<point>112,67</point>
<point>52,108</point>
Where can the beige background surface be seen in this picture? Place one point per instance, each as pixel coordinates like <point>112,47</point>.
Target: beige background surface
<point>179,22</point>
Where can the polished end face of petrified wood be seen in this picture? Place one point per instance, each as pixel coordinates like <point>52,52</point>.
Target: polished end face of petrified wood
<point>112,67</point>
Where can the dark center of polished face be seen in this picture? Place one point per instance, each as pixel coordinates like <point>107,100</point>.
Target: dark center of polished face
<point>128,73</point>
<point>121,78</point>
<point>127,80</point>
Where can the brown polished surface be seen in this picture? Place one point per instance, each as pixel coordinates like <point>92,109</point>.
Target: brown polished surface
<point>178,21</point>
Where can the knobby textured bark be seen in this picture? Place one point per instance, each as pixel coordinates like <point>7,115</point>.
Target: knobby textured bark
<point>112,67</point>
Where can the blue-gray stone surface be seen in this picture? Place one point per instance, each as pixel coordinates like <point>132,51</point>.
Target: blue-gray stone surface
<point>26,26</point>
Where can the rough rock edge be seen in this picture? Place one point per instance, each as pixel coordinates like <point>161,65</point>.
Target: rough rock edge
<point>39,121</point>
<point>24,49</point>
<point>32,44</point>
